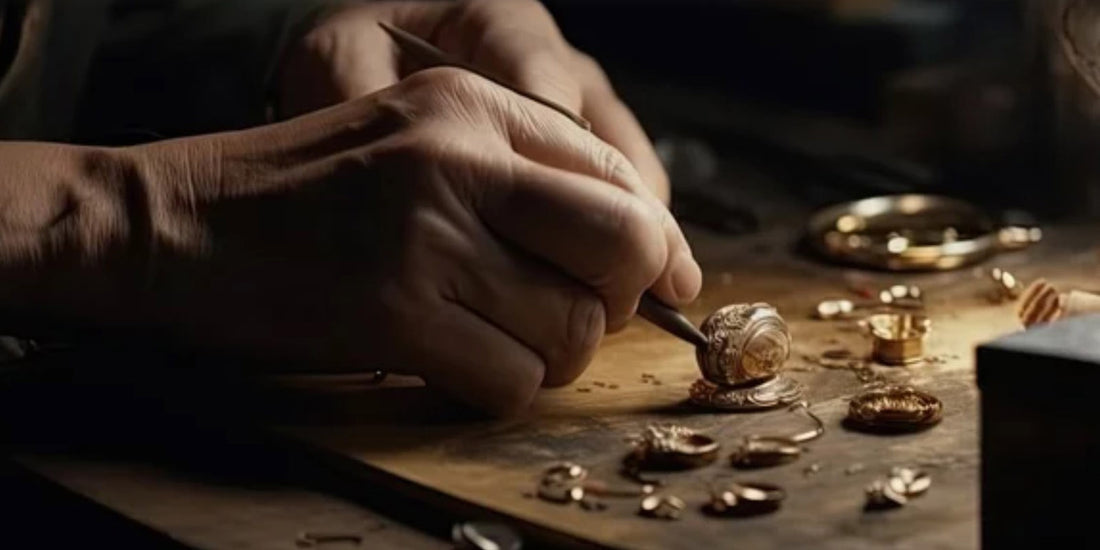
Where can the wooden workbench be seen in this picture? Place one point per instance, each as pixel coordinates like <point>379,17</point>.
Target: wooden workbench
<point>391,442</point>
<point>402,436</point>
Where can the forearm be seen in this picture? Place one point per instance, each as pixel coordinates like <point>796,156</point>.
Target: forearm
<point>71,223</point>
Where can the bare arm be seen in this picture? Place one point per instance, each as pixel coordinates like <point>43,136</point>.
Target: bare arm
<point>68,219</point>
<point>431,228</point>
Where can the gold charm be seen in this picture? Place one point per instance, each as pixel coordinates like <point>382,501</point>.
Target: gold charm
<point>1006,286</point>
<point>764,451</point>
<point>745,499</point>
<point>894,409</point>
<point>747,343</point>
<point>774,392</point>
<point>661,507</point>
<point>761,452</point>
<point>897,489</point>
<point>898,338</point>
<point>672,447</point>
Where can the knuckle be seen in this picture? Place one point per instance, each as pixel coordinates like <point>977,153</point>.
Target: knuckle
<point>450,79</point>
<point>515,395</point>
<point>393,112</point>
<point>589,67</point>
<point>641,250</point>
<point>613,165</point>
<point>581,334</point>
<point>452,94</point>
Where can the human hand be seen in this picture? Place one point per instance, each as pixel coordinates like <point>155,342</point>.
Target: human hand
<point>444,227</point>
<point>347,55</point>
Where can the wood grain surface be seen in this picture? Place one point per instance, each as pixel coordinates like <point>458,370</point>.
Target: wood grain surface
<point>400,432</point>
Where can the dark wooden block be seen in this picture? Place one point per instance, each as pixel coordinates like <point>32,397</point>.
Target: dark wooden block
<point>1040,422</point>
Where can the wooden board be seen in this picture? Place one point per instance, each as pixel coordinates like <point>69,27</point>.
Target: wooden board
<point>400,433</point>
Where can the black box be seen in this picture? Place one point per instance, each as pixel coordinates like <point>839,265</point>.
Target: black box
<point>1040,422</point>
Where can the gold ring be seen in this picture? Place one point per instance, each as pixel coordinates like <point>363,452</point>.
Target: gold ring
<point>672,447</point>
<point>747,342</point>
<point>745,499</point>
<point>763,451</point>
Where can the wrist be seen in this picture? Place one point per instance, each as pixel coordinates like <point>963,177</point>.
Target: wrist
<point>72,216</point>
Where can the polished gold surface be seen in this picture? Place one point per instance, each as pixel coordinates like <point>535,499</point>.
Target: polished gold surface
<point>745,499</point>
<point>672,447</point>
<point>894,408</point>
<point>898,338</point>
<point>745,343</point>
<point>774,392</point>
<point>912,233</point>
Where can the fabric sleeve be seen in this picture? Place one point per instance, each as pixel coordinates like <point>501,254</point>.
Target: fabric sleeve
<point>167,68</point>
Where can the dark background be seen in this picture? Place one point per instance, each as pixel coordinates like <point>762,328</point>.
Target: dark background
<point>946,92</point>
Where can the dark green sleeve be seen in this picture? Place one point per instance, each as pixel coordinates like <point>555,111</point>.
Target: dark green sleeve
<point>166,68</point>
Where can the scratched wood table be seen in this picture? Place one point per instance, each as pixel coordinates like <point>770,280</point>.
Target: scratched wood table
<point>399,434</point>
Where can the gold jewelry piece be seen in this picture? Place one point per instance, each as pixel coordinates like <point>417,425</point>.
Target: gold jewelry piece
<point>881,495</point>
<point>1043,303</point>
<point>898,338</point>
<point>673,447</point>
<point>909,482</point>
<point>747,342</point>
<point>894,408</point>
<point>565,471</point>
<point>563,483</point>
<point>913,233</point>
<point>761,452</point>
<point>1005,285</point>
<point>764,451</point>
<point>661,507</point>
<point>897,489</point>
<point>910,296</point>
<point>745,499</point>
<point>568,482</point>
<point>601,489</point>
<point>894,297</point>
<point>485,536</point>
<point>776,391</point>
<point>834,309</point>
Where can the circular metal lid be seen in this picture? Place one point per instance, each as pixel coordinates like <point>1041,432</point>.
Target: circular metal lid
<point>912,233</point>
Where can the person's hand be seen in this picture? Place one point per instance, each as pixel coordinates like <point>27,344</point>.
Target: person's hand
<point>444,227</point>
<point>347,55</point>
